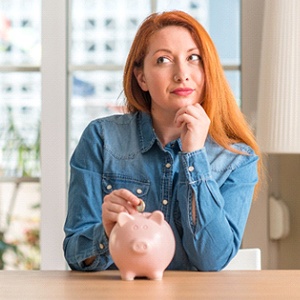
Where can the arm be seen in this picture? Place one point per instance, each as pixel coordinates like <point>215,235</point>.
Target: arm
<point>215,233</point>
<point>85,235</point>
<point>91,215</point>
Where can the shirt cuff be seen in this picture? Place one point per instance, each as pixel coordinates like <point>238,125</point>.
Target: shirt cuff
<point>100,250</point>
<point>195,166</point>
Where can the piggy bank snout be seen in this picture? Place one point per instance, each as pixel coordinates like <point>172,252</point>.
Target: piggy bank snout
<point>139,246</point>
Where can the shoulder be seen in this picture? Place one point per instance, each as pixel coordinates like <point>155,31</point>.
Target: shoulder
<point>224,159</point>
<point>113,123</point>
<point>114,120</point>
<point>119,135</point>
<point>121,119</point>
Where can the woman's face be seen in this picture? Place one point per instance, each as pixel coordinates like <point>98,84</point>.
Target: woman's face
<point>172,72</point>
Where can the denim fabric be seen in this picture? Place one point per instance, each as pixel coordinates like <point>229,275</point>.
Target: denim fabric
<point>122,151</point>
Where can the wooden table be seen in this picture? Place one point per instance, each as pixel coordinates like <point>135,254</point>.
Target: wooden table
<point>254,285</point>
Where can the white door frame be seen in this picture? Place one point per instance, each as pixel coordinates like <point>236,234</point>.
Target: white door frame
<point>53,132</point>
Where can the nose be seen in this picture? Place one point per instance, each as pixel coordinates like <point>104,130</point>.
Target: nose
<point>180,78</point>
<point>140,247</point>
<point>181,73</point>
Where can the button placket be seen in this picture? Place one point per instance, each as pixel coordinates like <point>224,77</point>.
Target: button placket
<point>166,191</point>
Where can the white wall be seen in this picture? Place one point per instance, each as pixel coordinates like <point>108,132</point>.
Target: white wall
<point>257,229</point>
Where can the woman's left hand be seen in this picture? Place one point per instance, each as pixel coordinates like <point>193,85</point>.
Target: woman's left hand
<point>195,124</point>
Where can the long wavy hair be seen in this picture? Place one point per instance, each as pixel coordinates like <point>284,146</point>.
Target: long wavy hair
<point>228,124</point>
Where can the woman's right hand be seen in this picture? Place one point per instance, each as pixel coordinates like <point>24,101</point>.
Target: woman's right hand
<point>117,201</point>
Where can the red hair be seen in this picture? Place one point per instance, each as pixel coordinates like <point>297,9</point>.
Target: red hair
<point>228,124</point>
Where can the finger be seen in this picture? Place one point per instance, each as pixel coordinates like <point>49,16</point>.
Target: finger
<point>115,207</point>
<point>109,219</point>
<point>195,111</point>
<point>187,118</point>
<point>191,110</point>
<point>121,200</point>
<point>126,196</point>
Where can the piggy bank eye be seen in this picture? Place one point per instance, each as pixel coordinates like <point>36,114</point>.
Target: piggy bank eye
<point>145,227</point>
<point>135,227</point>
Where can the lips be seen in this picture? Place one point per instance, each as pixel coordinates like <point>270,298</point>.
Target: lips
<point>182,91</point>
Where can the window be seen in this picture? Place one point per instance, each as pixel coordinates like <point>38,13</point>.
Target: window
<point>20,104</point>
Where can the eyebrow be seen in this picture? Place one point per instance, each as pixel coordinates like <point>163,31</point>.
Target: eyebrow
<point>169,51</point>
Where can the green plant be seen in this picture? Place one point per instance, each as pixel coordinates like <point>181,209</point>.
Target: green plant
<point>18,148</point>
<point>3,248</point>
<point>22,159</point>
<point>27,256</point>
<point>24,251</point>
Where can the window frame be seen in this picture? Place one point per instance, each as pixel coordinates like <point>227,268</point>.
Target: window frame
<point>54,137</point>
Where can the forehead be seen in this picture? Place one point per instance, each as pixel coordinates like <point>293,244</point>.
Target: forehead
<point>171,37</point>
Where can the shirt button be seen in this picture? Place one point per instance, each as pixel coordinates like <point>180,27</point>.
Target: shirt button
<point>165,202</point>
<point>168,165</point>
<point>139,191</point>
<point>191,168</point>
<point>109,187</point>
<point>101,246</point>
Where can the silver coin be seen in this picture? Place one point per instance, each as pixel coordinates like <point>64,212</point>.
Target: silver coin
<point>141,206</point>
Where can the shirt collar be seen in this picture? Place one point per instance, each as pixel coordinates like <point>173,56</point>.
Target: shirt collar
<point>146,132</point>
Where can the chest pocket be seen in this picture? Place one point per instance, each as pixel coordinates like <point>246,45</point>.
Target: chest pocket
<point>112,182</point>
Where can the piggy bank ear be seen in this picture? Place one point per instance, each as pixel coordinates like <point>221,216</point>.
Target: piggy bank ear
<point>158,217</point>
<point>123,218</point>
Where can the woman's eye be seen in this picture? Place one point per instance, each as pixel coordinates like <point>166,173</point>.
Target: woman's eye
<point>162,60</point>
<point>194,57</point>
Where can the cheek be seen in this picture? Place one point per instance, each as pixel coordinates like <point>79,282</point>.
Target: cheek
<point>156,81</point>
<point>200,79</point>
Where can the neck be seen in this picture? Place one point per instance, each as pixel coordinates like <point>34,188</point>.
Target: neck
<point>165,129</point>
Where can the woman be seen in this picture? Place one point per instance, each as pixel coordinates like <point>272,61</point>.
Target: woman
<point>183,148</point>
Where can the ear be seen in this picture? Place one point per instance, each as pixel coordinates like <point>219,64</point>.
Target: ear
<point>158,217</point>
<point>123,218</point>
<point>140,77</point>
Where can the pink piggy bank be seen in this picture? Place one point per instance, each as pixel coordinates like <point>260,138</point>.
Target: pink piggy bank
<point>142,245</point>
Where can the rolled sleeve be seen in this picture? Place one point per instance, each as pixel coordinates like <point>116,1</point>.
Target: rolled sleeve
<point>222,209</point>
<point>89,243</point>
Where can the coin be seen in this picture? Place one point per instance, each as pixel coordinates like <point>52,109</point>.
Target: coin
<point>141,206</point>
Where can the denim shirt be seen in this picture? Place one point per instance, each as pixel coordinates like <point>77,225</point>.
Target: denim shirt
<point>123,151</point>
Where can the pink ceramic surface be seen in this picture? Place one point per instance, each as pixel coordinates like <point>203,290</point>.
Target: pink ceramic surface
<point>142,245</point>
